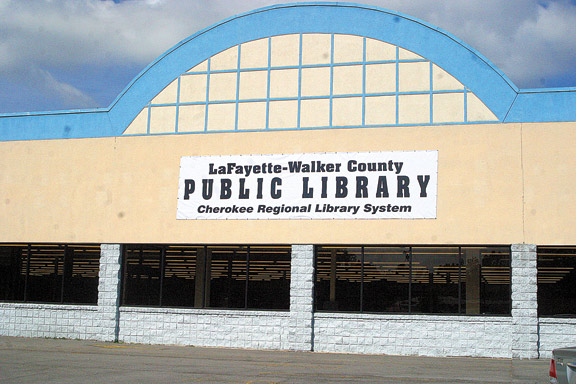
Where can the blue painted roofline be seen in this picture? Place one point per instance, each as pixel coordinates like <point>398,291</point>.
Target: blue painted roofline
<point>545,105</point>
<point>471,68</point>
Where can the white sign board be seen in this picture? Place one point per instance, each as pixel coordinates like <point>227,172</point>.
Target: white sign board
<point>362,185</point>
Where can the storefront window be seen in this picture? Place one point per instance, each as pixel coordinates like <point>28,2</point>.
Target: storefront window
<point>486,280</point>
<point>49,273</point>
<point>250,277</point>
<point>180,278</point>
<point>141,285</point>
<point>557,281</point>
<point>339,276</point>
<point>12,276</point>
<point>269,277</point>
<point>435,280</point>
<point>451,280</point>
<point>228,277</point>
<point>386,279</point>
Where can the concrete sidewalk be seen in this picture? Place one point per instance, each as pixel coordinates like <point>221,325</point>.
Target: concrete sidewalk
<point>25,360</point>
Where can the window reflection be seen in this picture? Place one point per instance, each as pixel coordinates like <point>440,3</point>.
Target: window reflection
<point>180,277</point>
<point>557,281</point>
<point>435,280</point>
<point>49,273</point>
<point>386,279</point>
<point>269,278</point>
<point>141,283</point>
<point>254,277</point>
<point>339,278</point>
<point>456,280</point>
<point>487,280</point>
<point>228,277</point>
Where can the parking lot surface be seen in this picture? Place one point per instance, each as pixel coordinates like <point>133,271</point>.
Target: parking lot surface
<point>27,360</point>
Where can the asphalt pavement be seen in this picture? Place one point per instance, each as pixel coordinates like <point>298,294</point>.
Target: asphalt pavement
<point>29,360</point>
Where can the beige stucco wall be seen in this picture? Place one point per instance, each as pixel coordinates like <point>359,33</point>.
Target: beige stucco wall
<point>550,183</point>
<point>124,190</point>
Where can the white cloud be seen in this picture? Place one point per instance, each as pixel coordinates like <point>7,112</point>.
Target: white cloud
<point>546,45</point>
<point>526,40</point>
<point>36,83</point>
<point>68,95</point>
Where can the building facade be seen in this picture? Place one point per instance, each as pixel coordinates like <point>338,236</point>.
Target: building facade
<point>319,177</point>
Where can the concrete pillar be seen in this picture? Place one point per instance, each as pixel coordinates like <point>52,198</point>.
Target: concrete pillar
<point>109,292</point>
<point>524,302</point>
<point>300,335</point>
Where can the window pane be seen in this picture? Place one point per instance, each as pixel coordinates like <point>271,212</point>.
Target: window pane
<point>338,278</point>
<point>227,277</point>
<point>435,280</point>
<point>486,280</point>
<point>81,268</point>
<point>206,277</point>
<point>269,283</point>
<point>181,277</point>
<point>45,273</point>
<point>12,275</point>
<point>386,274</point>
<point>141,275</point>
<point>557,282</point>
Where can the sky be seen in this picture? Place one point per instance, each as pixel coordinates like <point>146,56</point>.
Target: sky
<point>79,54</point>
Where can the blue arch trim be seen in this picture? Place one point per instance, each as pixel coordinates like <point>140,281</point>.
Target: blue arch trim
<point>499,94</point>
<point>542,105</point>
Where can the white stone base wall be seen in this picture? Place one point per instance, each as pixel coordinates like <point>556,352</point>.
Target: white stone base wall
<point>50,320</point>
<point>421,335</point>
<point>207,328</point>
<point>556,333</point>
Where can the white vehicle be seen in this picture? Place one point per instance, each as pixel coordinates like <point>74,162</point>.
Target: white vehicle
<point>563,366</point>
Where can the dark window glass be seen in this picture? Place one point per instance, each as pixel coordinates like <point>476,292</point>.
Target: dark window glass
<point>45,267</point>
<point>471,280</point>
<point>269,278</point>
<point>181,277</point>
<point>255,277</point>
<point>338,278</point>
<point>435,280</point>
<point>49,273</point>
<point>12,273</point>
<point>486,280</point>
<point>557,281</point>
<point>228,273</point>
<point>81,268</point>
<point>386,279</point>
<point>141,285</point>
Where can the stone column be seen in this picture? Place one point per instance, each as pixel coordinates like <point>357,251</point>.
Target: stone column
<point>524,302</point>
<point>109,292</point>
<point>300,335</point>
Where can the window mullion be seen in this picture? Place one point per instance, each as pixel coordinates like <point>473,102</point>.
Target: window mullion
<point>410,280</point>
<point>247,277</point>
<point>162,267</point>
<point>26,279</point>
<point>124,281</point>
<point>64,272</point>
<point>460,280</point>
<point>362,279</point>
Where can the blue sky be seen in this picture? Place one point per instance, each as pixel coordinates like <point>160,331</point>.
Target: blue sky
<point>76,54</point>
